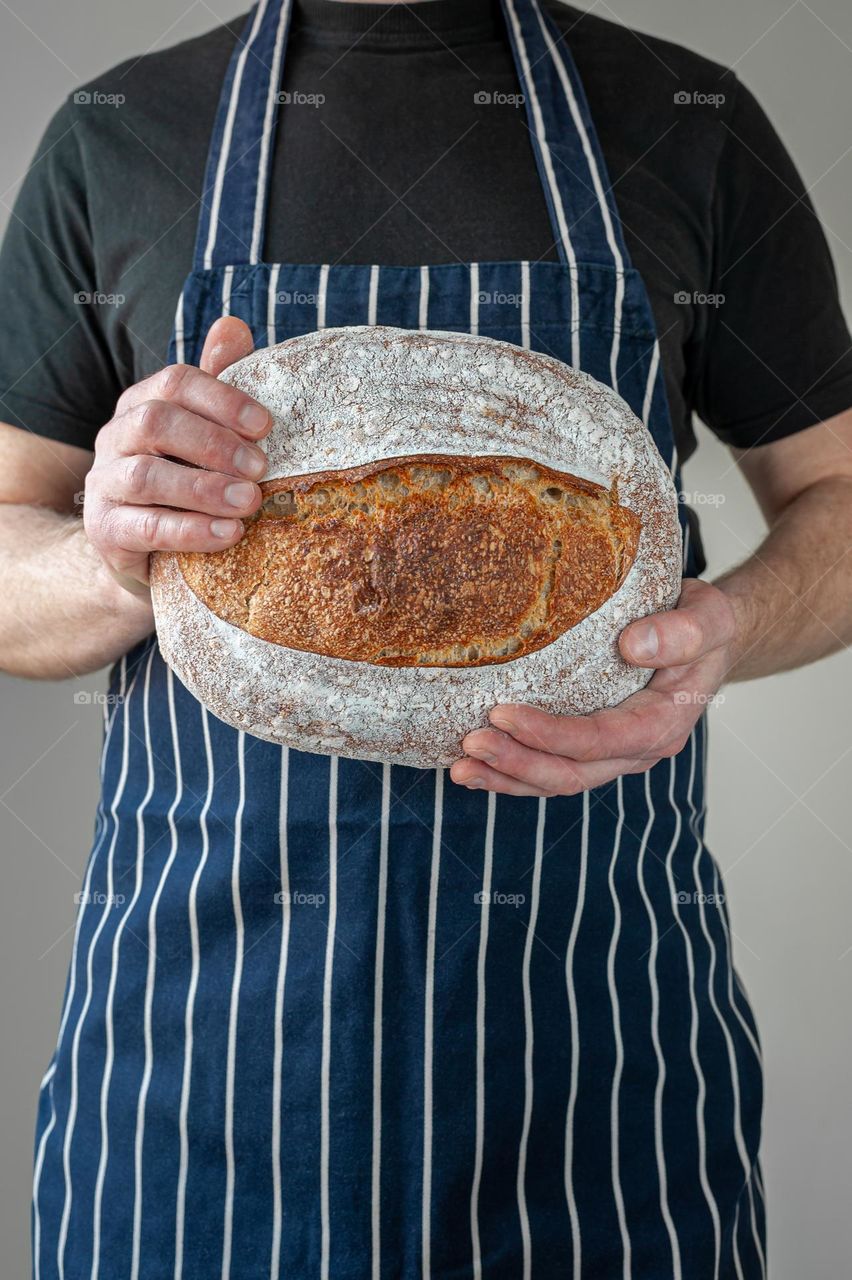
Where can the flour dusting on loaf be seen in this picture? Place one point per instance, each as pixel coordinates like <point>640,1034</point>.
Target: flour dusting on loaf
<point>344,399</point>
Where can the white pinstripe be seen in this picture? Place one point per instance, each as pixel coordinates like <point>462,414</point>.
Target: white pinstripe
<point>78,1030</point>
<point>553,185</point>
<point>423,309</point>
<point>192,907</point>
<point>655,1037</point>
<point>700,1101</point>
<point>429,1027</point>
<point>614,1127</point>
<point>180,348</point>
<point>150,981</point>
<point>594,173</point>
<point>373,299</point>
<point>231,1062</point>
<point>271,305</point>
<point>737,1263</point>
<point>525,304</point>
<point>650,384</point>
<point>113,976</point>
<point>109,722</point>
<point>227,133</point>
<point>322,295</point>
<point>227,282</point>
<point>742,1150</point>
<point>577,1250</point>
<point>266,137</point>
<point>378,989</point>
<point>474,298</point>
<point>487,868</point>
<point>325,1072</point>
<point>520,1185</point>
<point>280,986</point>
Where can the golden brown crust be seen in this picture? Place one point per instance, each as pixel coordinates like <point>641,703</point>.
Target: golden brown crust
<point>425,560</point>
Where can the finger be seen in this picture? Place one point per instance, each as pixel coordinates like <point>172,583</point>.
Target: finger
<point>483,778</point>
<point>647,724</point>
<point>702,621</point>
<point>145,481</point>
<point>554,774</point>
<point>159,427</point>
<point>201,393</point>
<point>228,340</point>
<point>130,530</point>
<point>477,775</point>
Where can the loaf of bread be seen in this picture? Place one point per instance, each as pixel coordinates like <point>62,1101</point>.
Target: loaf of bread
<point>448,522</point>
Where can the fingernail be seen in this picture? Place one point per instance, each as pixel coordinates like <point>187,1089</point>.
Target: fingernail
<point>486,756</point>
<point>254,418</point>
<point>239,494</point>
<point>250,461</point>
<point>502,722</point>
<point>644,642</point>
<point>224,528</point>
<point>475,782</point>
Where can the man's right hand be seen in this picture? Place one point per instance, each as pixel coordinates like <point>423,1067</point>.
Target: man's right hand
<point>177,467</point>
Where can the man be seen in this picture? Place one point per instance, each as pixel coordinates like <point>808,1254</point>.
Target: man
<point>406,1082</point>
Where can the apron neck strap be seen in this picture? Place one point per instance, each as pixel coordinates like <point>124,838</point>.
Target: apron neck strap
<point>234,199</point>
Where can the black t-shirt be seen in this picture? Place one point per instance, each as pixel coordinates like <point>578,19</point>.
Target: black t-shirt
<point>386,152</point>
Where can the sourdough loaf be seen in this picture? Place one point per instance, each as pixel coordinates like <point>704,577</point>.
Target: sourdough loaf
<point>448,522</point>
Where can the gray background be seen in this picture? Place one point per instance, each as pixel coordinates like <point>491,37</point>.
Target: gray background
<point>780,759</point>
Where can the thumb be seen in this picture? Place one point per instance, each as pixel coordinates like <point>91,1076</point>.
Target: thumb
<point>227,341</point>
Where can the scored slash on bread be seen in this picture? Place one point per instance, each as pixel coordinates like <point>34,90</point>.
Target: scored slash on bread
<point>427,560</point>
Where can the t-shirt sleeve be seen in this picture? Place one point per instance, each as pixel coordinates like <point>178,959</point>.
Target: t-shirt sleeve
<point>776,356</point>
<point>57,376</point>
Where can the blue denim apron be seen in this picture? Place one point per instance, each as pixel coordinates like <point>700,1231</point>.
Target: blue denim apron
<point>331,1019</point>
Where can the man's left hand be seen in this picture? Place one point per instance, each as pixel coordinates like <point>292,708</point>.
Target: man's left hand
<point>528,752</point>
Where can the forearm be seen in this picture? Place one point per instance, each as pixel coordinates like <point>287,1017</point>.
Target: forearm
<point>61,613</point>
<point>793,597</point>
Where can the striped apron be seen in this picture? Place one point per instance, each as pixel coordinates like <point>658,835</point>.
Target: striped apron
<point>327,1018</point>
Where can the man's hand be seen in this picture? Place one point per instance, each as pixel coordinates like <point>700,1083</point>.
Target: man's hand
<point>532,753</point>
<point>176,468</point>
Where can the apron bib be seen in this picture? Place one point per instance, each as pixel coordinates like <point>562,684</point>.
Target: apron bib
<point>327,1018</point>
